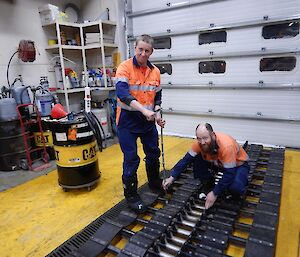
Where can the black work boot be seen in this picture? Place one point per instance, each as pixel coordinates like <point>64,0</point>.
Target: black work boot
<point>154,181</point>
<point>134,201</point>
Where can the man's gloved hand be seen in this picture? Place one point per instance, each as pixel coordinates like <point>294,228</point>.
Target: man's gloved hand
<point>210,200</point>
<point>167,182</point>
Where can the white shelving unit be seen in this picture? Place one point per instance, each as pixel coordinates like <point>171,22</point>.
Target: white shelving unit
<point>92,55</point>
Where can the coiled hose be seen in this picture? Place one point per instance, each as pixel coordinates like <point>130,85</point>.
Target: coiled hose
<point>96,128</point>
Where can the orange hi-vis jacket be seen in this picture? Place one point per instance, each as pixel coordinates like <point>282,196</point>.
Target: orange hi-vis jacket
<point>229,154</point>
<point>136,83</point>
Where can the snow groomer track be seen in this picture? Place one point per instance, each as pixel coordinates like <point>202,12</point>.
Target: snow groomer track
<point>176,224</point>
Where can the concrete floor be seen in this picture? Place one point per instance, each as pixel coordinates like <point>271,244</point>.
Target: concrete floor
<point>37,216</point>
<point>10,179</point>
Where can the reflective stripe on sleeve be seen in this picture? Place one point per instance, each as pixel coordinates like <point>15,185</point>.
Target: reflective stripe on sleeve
<point>142,88</point>
<point>229,165</point>
<point>192,153</point>
<point>122,80</point>
<point>128,108</point>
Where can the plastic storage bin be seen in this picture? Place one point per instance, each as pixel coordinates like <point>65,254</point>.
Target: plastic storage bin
<point>48,13</point>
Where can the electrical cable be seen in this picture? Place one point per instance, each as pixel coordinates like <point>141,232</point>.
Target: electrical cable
<point>100,126</point>
<point>7,71</point>
<point>96,128</point>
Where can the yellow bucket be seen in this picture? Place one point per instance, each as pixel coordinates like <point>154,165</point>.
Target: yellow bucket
<point>52,42</point>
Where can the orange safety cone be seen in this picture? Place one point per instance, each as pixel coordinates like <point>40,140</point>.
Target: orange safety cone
<point>58,112</point>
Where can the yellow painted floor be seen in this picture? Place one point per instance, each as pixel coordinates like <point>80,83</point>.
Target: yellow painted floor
<point>38,216</point>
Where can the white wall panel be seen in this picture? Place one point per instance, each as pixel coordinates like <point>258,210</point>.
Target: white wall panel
<point>245,108</point>
<point>247,69</point>
<point>270,103</point>
<point>238,70</point>
<point>264,132</point>
<point>238,40</point>
<point>21,20</point>
<point>218,13</point>
<point>145,5</point>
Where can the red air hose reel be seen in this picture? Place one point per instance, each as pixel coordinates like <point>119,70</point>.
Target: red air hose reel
<point>26,51</point>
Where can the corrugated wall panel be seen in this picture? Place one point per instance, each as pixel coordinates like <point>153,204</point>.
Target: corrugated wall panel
<point>264,132</point>
<point>238,40</point>
<point>269,103</point>
<point>269,116</point>
<point>217,13</point>
<point>238,70</point>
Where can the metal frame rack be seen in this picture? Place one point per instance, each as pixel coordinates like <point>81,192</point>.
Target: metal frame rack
<point>102,49</point>
<point>35,118</point>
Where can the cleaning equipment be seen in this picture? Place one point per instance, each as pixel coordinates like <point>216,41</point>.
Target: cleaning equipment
<point>58,112</point>
<point>58,76</point>
<point>76,153</point>
<point>43,101</point>
<point>58,72</point>
<point>87,99</point>
<point>19,92</point>
<point>44,98</point>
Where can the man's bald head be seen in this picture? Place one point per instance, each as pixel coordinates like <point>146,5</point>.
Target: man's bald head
<point>204,126</point>
<point>206,137</point>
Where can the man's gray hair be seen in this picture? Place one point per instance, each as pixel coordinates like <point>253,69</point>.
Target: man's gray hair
<point>145,38</point>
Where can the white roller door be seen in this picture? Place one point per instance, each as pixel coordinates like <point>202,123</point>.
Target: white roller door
<point>232,63</point>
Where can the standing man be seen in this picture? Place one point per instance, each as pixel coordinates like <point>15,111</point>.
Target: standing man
<point>139,100</point>
<point>224,152</point>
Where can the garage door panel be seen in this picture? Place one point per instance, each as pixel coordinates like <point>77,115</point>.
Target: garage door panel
<point>260,106</point>
<point>238,40</point>
<point>238,70</point>
<point>218,13</point>
<point>262,132</point>
<point>268,103</point>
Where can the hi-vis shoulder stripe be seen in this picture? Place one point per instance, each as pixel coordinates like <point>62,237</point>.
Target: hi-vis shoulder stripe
<point>142,88</point>
<point>128,108</point>
<point>145,88</point>
<point>229,165</point>
<point>122,80</point>
<point>192,153</point>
